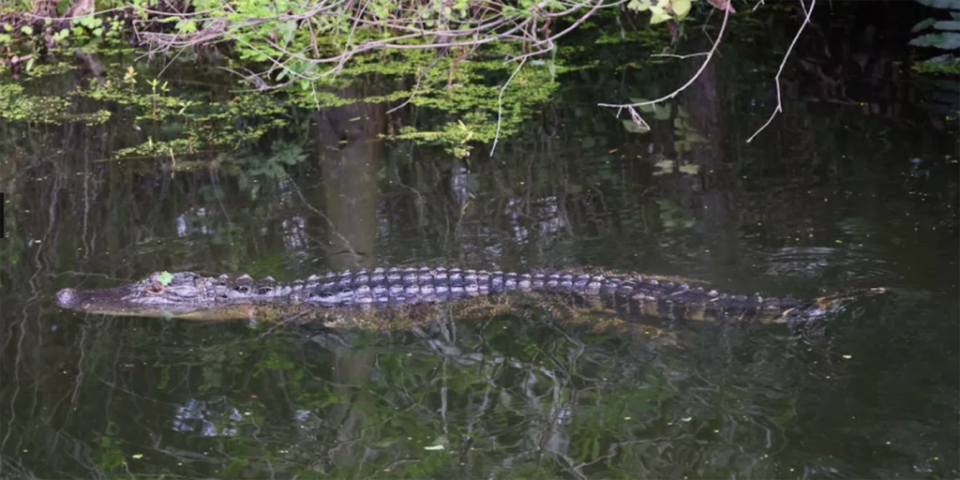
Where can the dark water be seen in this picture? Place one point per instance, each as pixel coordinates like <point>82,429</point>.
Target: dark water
<point>855,186</point>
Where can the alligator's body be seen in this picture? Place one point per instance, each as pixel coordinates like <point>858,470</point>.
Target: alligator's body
<point>373,299</point>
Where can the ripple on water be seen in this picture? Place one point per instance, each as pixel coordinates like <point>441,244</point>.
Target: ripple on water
<point>841,263</point>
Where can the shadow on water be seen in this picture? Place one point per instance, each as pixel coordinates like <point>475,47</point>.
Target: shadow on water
<point>855,186</point>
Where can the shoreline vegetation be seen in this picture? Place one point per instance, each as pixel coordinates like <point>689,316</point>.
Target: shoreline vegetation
<point>482,64</point>
<point>307,45</point>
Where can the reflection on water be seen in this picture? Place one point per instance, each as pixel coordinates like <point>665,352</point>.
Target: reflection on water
<point>816,205</point>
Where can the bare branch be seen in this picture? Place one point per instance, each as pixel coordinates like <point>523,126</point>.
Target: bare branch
<point>487,27</point>
<point>682,57</point>
<point>713,50</point>
<point>500,105</point>
<point>779,108</point>
<point>416,88</point>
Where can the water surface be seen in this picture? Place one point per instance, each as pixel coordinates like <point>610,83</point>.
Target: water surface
<point>854,186</point>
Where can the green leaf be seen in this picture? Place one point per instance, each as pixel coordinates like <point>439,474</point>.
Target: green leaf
<point>947,25</point>
<point>923,25</point>
<point>945,58</point>
<point>658,15</point>
<point>634,127</point>
<point>662,112</point>
<point>187,26</point>
<point>165,278</point>
<point>27,30</point>
<point>681,8</point>
<point>638,5</point>
<point>943,41</point>
<point>941,4</point>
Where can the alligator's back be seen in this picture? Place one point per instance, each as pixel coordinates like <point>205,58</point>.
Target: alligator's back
<point>347,294</point>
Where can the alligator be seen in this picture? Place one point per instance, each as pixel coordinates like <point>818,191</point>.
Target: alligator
<point>359,298</point>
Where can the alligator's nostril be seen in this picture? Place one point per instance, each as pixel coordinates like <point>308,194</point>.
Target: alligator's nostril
<point>66,297</point>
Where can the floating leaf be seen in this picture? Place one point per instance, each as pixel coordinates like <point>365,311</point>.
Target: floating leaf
<point>165,278</point>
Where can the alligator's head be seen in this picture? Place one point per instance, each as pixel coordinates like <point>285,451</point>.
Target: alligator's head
<point>161,294</point>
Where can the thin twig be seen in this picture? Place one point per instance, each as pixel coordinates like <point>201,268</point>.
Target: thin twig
<point>776,79</point>
<point>496,136</point>
<point>713,50</point>
<point>416,88</point>
<point>473,32</point>
<point>689,55</point>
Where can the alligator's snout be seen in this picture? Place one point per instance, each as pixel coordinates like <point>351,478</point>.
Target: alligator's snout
<point>66,298</point>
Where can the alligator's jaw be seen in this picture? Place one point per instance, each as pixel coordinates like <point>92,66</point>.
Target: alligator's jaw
<point>161,295</point>
<point>111,301</point>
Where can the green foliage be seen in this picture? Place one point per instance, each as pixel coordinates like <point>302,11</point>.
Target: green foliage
<point>941,40</point>
<point>662,10</point>
<point>43,109</point>
<point>90,23</point>
<point>202,126</point>
<point>293,42</point>
<point>945,37</point>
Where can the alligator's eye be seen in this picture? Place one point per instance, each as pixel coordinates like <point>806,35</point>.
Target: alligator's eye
<point>155,287</point>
